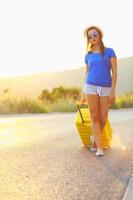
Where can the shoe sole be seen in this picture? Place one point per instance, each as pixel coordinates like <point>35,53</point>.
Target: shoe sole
<point>100,155</point>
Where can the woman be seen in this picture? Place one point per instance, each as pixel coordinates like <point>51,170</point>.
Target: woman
<point>99,83</point>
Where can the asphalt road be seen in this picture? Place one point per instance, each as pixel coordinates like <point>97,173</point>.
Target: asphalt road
<point>42,158</point>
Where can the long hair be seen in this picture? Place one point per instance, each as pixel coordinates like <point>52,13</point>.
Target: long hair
<point>89,46</point>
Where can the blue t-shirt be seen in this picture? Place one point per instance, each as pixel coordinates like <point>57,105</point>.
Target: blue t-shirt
<point>99,68</point>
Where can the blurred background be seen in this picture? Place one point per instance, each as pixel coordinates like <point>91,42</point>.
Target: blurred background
<point>42,50</point>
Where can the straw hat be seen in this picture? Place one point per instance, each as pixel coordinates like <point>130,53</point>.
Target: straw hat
<point>92,27</point>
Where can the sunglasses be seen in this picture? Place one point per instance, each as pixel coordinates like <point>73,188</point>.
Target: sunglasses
<point>93,35</point>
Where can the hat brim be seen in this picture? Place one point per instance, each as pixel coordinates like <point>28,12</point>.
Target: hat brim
<point>92,27</point>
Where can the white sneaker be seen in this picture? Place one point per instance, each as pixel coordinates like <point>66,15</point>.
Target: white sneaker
<point>99,152</point>
<point>93,149</point>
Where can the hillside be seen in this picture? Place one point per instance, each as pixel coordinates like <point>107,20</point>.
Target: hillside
<point>32,85</point>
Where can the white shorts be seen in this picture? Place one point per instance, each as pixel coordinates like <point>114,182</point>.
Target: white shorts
<point>94,89</point>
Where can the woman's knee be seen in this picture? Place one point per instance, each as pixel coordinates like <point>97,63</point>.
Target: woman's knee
<point>95,117</point>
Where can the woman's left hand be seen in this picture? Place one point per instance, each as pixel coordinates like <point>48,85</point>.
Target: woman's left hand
<point>112,96</point>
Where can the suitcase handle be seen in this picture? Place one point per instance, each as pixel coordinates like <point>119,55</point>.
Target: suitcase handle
<point>81,105</point>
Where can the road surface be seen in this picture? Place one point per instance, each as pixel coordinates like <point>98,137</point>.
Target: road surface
<point>42,158</point>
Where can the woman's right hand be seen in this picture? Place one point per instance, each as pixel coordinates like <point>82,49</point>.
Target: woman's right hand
<point>83,99</point>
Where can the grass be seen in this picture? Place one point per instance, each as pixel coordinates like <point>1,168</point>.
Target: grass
<point>124,101</point>
<point>14,106</point>
<point>63,105</point>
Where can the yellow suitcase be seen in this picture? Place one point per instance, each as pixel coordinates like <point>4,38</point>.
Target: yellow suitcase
<point>83,124</point>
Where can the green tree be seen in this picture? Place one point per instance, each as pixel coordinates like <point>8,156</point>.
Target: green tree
<point>45,96</point>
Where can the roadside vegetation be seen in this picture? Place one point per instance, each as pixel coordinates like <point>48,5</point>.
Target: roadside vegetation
<point>60,99</point>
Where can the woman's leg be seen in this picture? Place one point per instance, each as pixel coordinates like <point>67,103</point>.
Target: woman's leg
<point>93,105</point>
<point>104,108</point>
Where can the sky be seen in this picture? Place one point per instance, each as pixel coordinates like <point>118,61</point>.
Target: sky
<point>47,35</point>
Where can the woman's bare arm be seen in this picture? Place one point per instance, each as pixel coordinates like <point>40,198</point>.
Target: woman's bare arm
<point>114,78</point>
<point>86,70</point>
<point>83,99</point>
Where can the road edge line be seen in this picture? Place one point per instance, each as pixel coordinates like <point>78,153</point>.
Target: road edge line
<point>129,190</point>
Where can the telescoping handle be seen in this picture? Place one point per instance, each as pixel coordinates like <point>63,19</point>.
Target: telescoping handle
<point>79,105</point>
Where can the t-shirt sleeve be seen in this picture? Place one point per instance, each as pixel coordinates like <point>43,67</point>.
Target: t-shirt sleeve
<point>86,60</point>
<point>112,53</point>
